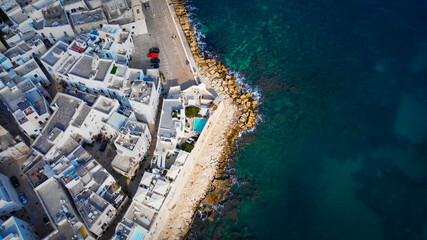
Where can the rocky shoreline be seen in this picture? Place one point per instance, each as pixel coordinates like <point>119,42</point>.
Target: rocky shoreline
<point>218,77</point>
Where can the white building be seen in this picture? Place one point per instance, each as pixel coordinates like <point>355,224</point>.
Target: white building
<point>56,25</point>
<point>197,95</point>
<point>96,212</point>
<point>55,131</point>
<point>7,4</point>
<point>5,62</point>
<point>116,43</point>
<point>93,190</point>
<point>30,70</point>
<point>135,223</point>
<point>86,21</point>
<point>20,20</point>
<point>132,143</point>
<point>23,51</point>
<point>11,35</point>
<point>144,95</point>
<point>60,211</point>
<point>90,121</point>
<point>28,106</point>
<point>73,6</point>
<point>9,200</point>
<point>35,9</point>
<point>55,59</point>
<point>12,148</point>
<point>106,72</point>
<point>171,129</point>
<point>17,229</point>
<point>137,25</point>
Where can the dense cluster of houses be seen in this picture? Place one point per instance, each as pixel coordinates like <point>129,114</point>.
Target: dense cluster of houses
<point>86,46</point>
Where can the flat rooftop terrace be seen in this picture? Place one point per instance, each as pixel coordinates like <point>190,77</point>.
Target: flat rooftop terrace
<point>141,91</point>
<point>103,104</point>
<point>67,107</point>
<point>26,68</point>
<point>55,201</point>
<point>54,17</point>
<point>166,121</point>
<point>128,142</point>
<point>52,56</point>
<point>85,17</point>
<point>140,214</point>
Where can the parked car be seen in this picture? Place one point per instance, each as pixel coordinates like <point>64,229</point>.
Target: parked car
<point>103,145</point>
<point>155,65</point>
<point>147,5</point>
<point>23,199</point>
<point>155,50</point>
<point>153,55</point>
<point>155,60</point>
<point>14,182</point>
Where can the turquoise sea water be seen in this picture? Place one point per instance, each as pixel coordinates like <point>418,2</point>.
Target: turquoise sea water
<point>341,152</point>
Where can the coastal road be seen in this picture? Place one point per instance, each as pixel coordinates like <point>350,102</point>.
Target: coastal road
<point>173,60</point>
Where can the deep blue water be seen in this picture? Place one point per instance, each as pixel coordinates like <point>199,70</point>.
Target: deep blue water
<point>342,149</point>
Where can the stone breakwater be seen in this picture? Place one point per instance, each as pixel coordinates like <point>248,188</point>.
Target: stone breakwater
<point>217,76</point>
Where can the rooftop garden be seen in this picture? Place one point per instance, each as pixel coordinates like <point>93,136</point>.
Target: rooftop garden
<point>113,70</point>
<point>191,111</point>
<point>187,147</point>
<point>175,114</point>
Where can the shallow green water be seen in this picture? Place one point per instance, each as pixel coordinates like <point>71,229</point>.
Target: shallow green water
<point>341,152</point>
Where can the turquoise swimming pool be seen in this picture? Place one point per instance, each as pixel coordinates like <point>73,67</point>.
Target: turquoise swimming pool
<point>138,234</point>
<point>199,124</point>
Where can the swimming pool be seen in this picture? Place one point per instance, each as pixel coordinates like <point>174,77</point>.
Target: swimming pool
<point>199,124</point>
<point>138,234</point>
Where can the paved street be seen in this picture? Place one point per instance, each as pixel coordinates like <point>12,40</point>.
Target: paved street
<point>33,211</point>
<point>173,60</point>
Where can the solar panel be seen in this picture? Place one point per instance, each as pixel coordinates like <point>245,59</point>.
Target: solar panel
<point>24,105</point>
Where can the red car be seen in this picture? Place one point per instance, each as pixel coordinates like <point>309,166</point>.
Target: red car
<point>153,55</point>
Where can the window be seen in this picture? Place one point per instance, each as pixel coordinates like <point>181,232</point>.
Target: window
<point>40,122</point>
<point>133,27</point>
<point>35,75</point>
<point>137,11</point>
<point>65,33</point>
<point>51,35</point>
<point>124,29</point>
